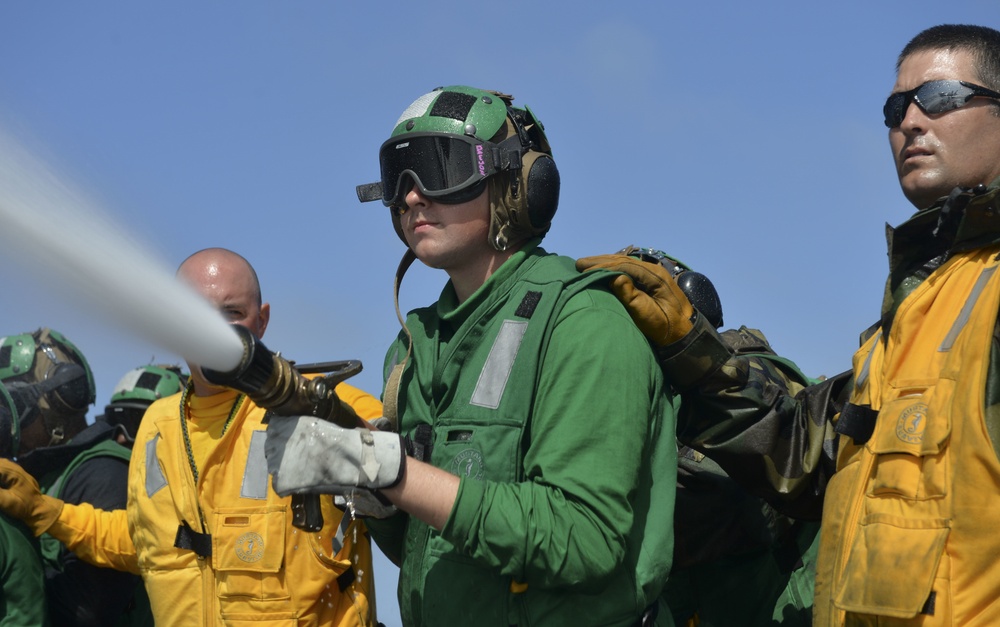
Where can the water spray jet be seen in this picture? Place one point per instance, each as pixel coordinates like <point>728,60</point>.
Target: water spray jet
<point>72,244</point>
<point>53,230</point>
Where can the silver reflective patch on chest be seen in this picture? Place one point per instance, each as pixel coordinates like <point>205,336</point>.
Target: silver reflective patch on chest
<point>255,474</point>
<point>496,371</point>
<point>155,479</point>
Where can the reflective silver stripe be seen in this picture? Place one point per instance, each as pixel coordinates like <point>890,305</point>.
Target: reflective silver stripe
<point>496,371</point>
<point>863,374</point>
<point>963,316</point>
<point>338,540</point>
<point>255,473</point>
<point>155,480</point>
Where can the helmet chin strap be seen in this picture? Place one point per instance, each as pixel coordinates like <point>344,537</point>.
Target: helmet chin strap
<point>390,397</point>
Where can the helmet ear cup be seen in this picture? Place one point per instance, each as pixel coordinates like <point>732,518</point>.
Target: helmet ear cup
<point>541,189</point>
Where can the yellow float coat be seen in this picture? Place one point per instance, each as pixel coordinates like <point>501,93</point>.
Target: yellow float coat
<point>262,570</point>
<point>910,521</point>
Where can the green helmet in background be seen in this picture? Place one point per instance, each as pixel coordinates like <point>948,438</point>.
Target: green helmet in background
<point>453,143</point>
<point>17,355</point>
<point>47,376</point>
<point>137,390</point>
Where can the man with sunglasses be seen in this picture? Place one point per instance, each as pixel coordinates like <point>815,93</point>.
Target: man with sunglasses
<point>535,475</point>
<point>900,455</point>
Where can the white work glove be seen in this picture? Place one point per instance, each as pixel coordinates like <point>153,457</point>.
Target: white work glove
<point>308,455</point>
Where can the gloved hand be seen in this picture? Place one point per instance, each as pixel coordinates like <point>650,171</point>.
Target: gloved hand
<point>308,455</point>
<point>654,300</point>
<point>21,498</point>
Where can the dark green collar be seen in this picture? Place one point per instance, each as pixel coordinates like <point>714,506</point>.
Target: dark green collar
<point>966,219</point>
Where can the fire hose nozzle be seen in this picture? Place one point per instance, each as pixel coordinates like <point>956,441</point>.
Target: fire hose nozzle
<point>253,372</point>
<point>272,382</point>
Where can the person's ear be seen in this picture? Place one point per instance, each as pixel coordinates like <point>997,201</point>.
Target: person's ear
<point>264,316</point>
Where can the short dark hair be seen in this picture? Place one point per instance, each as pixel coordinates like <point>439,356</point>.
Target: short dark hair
<point>983,42</point>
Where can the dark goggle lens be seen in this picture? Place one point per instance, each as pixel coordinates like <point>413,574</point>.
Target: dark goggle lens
<point>933,97</point>
<point>126,416</point>
<point>441,165</point>
<point>66,387</point>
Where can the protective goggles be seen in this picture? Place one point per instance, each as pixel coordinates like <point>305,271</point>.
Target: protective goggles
<point>64,390</point>
<point>127,416</point>
<point>447,168</point>
<point>933,97</point>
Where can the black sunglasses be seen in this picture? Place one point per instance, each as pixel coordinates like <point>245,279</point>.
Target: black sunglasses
<point>933,97</point>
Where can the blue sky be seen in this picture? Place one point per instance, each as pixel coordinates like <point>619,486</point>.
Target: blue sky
<point>745,139</point>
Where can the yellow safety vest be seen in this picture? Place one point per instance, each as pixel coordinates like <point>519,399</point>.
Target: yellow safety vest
<point>259,570</point>
<point>910,523</point>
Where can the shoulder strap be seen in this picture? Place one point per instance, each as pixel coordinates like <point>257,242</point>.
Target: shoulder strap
<point>50,547</point>
<point>104,448</point>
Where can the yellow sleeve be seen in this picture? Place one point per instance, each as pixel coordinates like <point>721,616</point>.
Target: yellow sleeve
<point>364,404</point>
<point>97,536</point>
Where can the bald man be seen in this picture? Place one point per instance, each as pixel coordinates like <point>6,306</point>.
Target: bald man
<point>212,540</point>
<point>227,281</point>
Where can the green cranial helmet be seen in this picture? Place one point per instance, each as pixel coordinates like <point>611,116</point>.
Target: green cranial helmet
<point>17,355</point>
<point>47,376</point>
<point>137,390</point>
<point>454,142</point>
<point>455,110</point>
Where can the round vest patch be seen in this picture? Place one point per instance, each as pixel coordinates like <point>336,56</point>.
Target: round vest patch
<point>468,463</point>
<point>911,423</point>
<point>250,547</point>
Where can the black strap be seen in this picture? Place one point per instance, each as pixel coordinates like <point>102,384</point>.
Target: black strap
<point>188,538</point>
<point>928,607</point>
<point>420,444</point>
<point>857,421</point>
<point>528,304</point>
<point>345,579</point>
